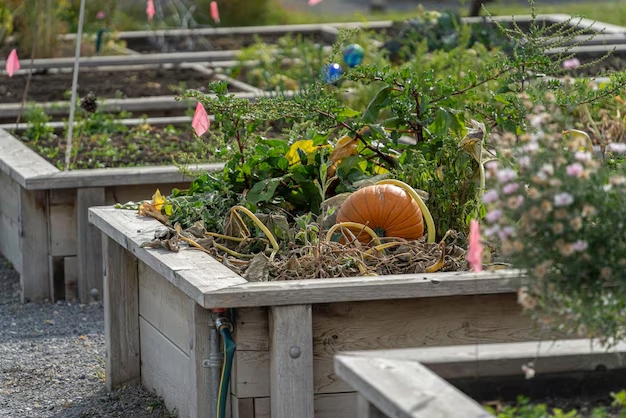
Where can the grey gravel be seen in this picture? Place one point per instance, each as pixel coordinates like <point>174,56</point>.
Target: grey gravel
<point>52,361</point>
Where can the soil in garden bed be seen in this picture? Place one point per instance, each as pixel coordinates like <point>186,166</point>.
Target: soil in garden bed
<point>104,84</point>
<point>580,391</point>
<point>155,44</point>
<point>141,146</point>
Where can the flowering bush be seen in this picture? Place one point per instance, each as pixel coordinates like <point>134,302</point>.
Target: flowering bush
<point>558,212</point>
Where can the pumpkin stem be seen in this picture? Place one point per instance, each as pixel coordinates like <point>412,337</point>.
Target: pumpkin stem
<point>362,227</point>
<point>428,218</point>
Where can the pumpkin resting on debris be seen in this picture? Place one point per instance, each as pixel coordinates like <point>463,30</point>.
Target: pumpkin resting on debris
<point>387,209</point>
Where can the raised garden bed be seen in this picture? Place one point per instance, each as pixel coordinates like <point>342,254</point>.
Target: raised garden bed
<point>43,218</point>
<point>159,335</point>
<point>120,83</point>
<point>427,382</point>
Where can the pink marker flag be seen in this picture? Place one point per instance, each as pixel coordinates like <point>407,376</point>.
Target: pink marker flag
<point>200,121</point>
<point>215,13</point>
<point>314,2</point>
<point>475,250</point>
<point>150,9</point>
<point>13,64</point>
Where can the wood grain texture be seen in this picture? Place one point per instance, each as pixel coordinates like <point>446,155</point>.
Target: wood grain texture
<point>165,370</point>
<point>71,278</point>
<point>121,316</point>
<point>251,329</point>
<point>63,223</point>
<point>242,408</point>
<point>9,221</point>
<point>365,409</point>
<point>200,376</point>
<point>89,244</point>
<point>375,325</point>
<point>34,245</point>
<point>191,271</point>
<point>291,361</point>
<point>335,405</point>
<point>165,307</point>
<point>406,389</point>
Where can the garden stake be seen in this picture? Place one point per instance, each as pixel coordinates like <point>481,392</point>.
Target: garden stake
<point>70,128</point>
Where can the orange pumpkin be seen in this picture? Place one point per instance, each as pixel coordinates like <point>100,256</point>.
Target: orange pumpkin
<point>387,209</point>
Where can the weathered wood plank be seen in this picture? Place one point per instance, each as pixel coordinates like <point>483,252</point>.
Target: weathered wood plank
<point>63,223</point>
<point>89,245</point>
<point>365,288</point>
<point>336,405</point>
<point>365,409</point>
<point>193,272</point>
<point>553,356</point>
<point>71,278</point>
<point>200,401</point>
<point>165,370</point>
<point>405,389</point>
<point>165,307</point>
<point>375,325</point>
<point>19,162</point>
<point>33,229</point>
<point>291,361</point>
<point>105,177</point>
<point>251,329</point>
<point>9,219</point>
<point>121,316</point>
<point>242,408</point>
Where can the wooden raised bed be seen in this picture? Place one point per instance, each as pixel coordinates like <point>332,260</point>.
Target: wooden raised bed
<point>286,332</point>
<point>43,218</point>
<point>421,382</point>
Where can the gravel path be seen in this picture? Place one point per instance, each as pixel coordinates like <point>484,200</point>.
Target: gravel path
<point>51,361</point>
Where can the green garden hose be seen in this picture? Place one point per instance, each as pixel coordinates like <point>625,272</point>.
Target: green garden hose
<point>225,327</point>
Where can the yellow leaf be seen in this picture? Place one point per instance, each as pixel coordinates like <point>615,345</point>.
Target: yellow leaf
<point>158,200</point>
<point>380,170</point>
<point>345,147</point>
<point>305,145</point>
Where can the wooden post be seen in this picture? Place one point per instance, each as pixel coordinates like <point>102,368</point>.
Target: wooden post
<point>365,409</point>
<point>34,245</point>
<point>89,244</point>
<point>121,316</point>
<point>200,376</point>
<point>291,361</point>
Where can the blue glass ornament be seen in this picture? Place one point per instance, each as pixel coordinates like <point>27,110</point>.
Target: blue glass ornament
<point>332,72</point>
<point>353,55</point>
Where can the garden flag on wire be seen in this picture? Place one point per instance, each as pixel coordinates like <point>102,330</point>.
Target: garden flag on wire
<point>150,9</point>
<point>13,63</point>
<point>475,250</point>
<point>200,121</point>
<point>215,13</point>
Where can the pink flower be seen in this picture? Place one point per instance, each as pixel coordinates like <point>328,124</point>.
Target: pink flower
<point>490,196</point>
<point>475,250</point>
<point>583,156</point>
<point>571,63</point>
<point>314,2</point>
<point>575,169</point>
<point>617,147</point>
<point>580,245</point>
<point>493,216</point>
<point>100,15</point>
<point>200,121</point>
<point>506,175</point>
<point>491,230</point>
<point>510,188</point>
<point>505,233</point>
<point>523,161</point>
<point>563,199</point>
